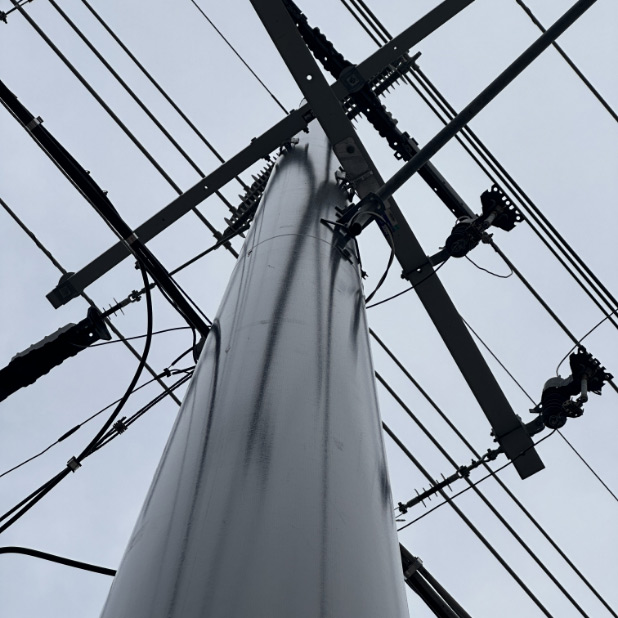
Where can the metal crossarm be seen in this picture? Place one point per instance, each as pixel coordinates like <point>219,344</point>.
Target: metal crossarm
<point>362,172</point>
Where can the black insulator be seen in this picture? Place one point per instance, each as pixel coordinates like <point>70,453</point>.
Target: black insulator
<point>461,240</point>
<point>552,401</point>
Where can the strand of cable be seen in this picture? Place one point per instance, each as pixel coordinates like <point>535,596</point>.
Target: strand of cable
<point>116,119</point>
<point>29,501</point>
<point>227,42</point>
<point>167,372</point>
<point>412,287</point>
<point>43,555</point>
<point>139,102</point>
<point>468,523</point>
<point>568,60</point>
<point>481,495</point>
<point>555,243</point>
<point>471,486</point>
<point>24,506</point>
<point>474,452</point>
<point>159,88</point>
<point>63,271</point>
<point>505,178</point>
<point>487,270</point>
<point>156,332</point>
<point>523,390</point>
<point>579,455</point>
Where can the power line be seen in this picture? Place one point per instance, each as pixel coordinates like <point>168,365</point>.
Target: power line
<point>568,60</point>
<point>63,271</point>
<point>478,492</point>
<point>506,489</point>
<point>506,179</point>
<point>285,111</point>
<point>115,117</point>
<point>471,486</point>
<point>77,564</point>
<point>470,525</point>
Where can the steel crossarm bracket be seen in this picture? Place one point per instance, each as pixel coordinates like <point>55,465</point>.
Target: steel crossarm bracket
<point>298,120</point>
<point>361,170</point>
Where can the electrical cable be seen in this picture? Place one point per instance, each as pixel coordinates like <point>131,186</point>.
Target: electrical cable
<point>285,111</point>
<point>156,332</point>
<point>470,525</point>
<point>115,118</point>
<point>63,271</point>
<point>488,271</point>
<point>580,340</point>
<point>431,274</point>
<point>77,564</point>
<point>568,60</point>
<point>471,486</point>
<point>506,179</point>
<point>160,89</point>
<point>482,496</point>
<point>517,502</point>
<point>70,432</point>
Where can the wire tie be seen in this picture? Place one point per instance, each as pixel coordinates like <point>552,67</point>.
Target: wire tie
<point>73,464</point>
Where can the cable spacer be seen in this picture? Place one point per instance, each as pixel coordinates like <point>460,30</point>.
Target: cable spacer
<point>35,122</point>
<point>120,426</point>
<point>73,464</point>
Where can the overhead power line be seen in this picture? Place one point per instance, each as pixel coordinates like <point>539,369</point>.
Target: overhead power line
<point>63,271</point>
<point>482,496</point>
<point>205,16</point>
<point>470,525</point>
<point>488,159</point>
<point>116,119</point>
<point>568,60</point>
<point>505,488</point>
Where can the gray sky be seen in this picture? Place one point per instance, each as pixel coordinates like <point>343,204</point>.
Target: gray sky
<point>546,129</point>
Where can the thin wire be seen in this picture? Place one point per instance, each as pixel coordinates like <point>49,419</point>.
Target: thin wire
<point>524,510</point>
<point>239,56</point>
<point>115,118</point>
<point>467,521</point>
<point>391,257</point>
<point>80,425</point>
<point>489,271</point>
<point>431,274</point>
<point>59,266</point>
<point>613,495</point>
<point>482,496</point>
<point>579,342</point>
<point>568,60</point>
<point>156,332</point>
<point>490,160</point>
<point>473,485</point>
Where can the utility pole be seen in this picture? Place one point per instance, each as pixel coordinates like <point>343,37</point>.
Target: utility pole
<point>272,498</point>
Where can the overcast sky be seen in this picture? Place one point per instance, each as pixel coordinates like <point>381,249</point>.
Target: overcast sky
<point>548,131</point>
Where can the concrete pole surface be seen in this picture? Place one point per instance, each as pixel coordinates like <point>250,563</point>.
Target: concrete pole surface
<point>272,498</point>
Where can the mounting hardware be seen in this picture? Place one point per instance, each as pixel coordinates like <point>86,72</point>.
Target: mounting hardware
<point>498,210</point>
<point>35,122</point>
<point>73,464</point>
<point>556,406</point>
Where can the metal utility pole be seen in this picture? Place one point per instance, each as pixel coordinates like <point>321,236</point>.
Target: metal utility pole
<point>272,498</point>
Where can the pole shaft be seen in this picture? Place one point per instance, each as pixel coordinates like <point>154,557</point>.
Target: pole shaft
<point>485,97</point>
<point>272,497</point>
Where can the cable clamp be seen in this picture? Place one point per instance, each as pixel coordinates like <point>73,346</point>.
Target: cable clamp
<point>34,123</point>
<point>131,239</point>
<point>73,464</point>
<point>413,568</point>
